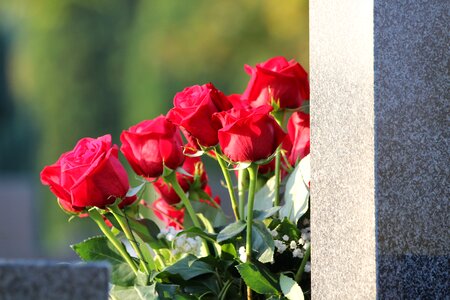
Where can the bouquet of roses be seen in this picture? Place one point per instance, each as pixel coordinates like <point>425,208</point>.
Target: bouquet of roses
<point>260,140</point>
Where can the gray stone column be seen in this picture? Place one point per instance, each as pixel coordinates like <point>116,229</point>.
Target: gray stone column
<point>380,113</point>
<point>43,280</point>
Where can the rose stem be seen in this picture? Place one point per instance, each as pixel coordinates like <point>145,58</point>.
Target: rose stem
<point>279,118</point>
<point>118,214</point>
<point>227,177</point>
<point>172,179</point>
<point>276,201</point>
<point>97,218</point>
<point>301,269</point>
<point>242,176</point>
<point>253,173</point>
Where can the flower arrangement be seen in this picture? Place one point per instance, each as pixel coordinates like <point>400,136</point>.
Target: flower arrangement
<point>261,138</point>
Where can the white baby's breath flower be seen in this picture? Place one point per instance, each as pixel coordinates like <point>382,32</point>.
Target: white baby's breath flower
<point>274,233</point>
<point>180,241</point>
<point>297,253</point>
<point>285,238</point>
<point>306,245</point>
<point>301,241</point>
<point>293,245</point>
<point>170,236</point>
<point>242,254</point>
<point>308,267</point>
<point>281,247</point>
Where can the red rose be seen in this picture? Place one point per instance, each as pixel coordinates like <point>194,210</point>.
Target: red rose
<point>168,214</point>
<point>208,191</point>
<point>151,145</point>
<point>286,82</point>
<point>193,108</point>
<point>89,175</point>
<point>193,166</point>
<point>249,134</point>
<point>299,136</point>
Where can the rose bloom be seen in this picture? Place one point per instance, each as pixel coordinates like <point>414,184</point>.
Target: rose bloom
<point>286,82</point>
<point>191,165</point>
<point>168,214</point>
<point>193,109</point>
<point>89,175</point>
<point>151,145</point>
<point>299,137</point>
<point>248,135</point>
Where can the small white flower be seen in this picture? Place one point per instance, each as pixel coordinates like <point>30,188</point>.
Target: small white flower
<point>306,245</point>
<point>170,236</point>
<point>192,242</point>
<point>301,241</point>
<point>180,241</point>
<point>242,254</point>
<point>186,247</point>
<point>285,238</point>
<point>297,253</point>
<point>274,233</point>
<point>308,267</point>
<point>293,245</point>
<point>281,247</point>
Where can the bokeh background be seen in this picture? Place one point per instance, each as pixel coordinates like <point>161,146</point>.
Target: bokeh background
<point>76,68</point>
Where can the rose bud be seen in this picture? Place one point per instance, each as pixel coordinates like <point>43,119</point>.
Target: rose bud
<point>249,135</point>
<point>89,175</point>
<point>151,145</point>
<point>299,136</point>
<point>168,214</point>
<point>193,109</point>
<point>198,180</point>
<point>285,82</point>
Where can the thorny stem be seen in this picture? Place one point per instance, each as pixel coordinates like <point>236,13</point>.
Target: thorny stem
<point>97,218</point>
<point>301,269</point>
<point>118,214</point>
<point>253,173</point>
<point>229,183</point>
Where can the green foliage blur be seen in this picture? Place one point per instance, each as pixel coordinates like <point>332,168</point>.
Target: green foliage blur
<point>76,68</point>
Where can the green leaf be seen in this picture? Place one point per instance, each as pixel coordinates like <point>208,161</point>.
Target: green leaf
<point>133,191</point>
<point>215,215</point>
<point>290,288</point>
<point>133,293</point>
<point>264,214</point>
<point>258,278</point>
<point>297,192</point>
<point>265,196</point>
<point>231,231</point>
<point>262,242</point>
<point>188,267</point>
<point>99,248</point>
<point>145,228</point>
<point>167,291</point>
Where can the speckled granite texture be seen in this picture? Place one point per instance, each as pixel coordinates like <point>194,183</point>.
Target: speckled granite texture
<point>40,280</point>
<point>342,147</point>
<point>380,113</point>
<point>412,149</point>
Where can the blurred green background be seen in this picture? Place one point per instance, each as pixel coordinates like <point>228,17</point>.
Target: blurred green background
<point>76,68</point>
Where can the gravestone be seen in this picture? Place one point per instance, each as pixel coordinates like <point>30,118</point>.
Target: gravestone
<point>41,280</point>
<point>380,112</point>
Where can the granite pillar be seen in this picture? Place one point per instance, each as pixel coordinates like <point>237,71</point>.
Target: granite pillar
<point>42,280</point>
<point>380,112</point>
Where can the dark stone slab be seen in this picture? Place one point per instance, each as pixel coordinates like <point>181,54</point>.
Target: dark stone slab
<point>41,280</point>
<point>380,149</point>
<point>412,148</point>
